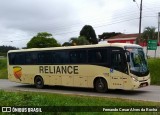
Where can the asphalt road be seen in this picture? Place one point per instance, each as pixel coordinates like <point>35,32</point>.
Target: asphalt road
<point>150,93</point>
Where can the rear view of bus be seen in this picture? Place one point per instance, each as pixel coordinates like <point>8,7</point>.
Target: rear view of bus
<point>138,67</point>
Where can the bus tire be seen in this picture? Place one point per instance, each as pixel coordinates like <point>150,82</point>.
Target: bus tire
<point>100,85</point>
<point>38,82</point>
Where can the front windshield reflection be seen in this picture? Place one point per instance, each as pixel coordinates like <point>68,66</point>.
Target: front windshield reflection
<point>138,64</point>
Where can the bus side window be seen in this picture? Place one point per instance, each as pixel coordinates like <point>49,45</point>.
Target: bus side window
<point>17,59</point>
<point>60,57</point>
<point>73,57</point>
<point>82,58</point>
<point>116,61</point>
<point>31,58</point>
<point>97,56</point>
<point>28,58</point>
<point>78,56</point>
<point>34,58</point>
<point>94,56</point>
<point>56,58</point>
<point>12,58</point>
<point>45,57</point>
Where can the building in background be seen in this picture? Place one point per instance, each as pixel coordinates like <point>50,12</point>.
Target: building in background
<point>126,38</point>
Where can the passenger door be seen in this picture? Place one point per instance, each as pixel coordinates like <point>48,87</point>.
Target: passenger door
<point>116,68</point>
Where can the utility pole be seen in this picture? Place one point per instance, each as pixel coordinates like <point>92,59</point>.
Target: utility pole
<point>158,26</point>
<point>140,21</point>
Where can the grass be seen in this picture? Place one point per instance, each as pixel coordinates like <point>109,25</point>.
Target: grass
<point>154,65</point>
<point>46,99</point>
<point>3,69</point>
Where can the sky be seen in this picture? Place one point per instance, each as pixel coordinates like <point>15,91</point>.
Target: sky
<point>20,20</point>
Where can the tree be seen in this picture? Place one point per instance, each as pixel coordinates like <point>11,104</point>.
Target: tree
<point>149,33</point>
<point>81,40</point>
<point>66,44</point>
<point>42,40</point>
<point>88,32</point>
<point>5,49</point>
<point>73,41</point>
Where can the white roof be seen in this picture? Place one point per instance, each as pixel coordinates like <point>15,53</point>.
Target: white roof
<point>79,46</point>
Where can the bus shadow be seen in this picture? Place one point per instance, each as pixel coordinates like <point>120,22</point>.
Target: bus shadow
<point>127,92</point>
<point>84,90</point>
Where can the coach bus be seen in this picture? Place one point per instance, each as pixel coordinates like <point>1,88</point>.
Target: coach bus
<point>101,66</point>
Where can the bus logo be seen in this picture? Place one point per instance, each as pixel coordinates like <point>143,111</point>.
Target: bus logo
<point>111,70</point>
<point>17,72</point>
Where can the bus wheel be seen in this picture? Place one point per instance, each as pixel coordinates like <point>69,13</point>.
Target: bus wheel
<point>38,82</point>
<point>100,85</point>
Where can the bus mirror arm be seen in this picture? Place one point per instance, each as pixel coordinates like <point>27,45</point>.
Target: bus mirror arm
<point>128,58</point>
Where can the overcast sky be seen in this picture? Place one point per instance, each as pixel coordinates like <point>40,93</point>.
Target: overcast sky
<point>20,20</point>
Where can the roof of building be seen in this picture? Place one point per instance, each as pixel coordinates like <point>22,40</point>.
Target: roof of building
<point>124,36</point>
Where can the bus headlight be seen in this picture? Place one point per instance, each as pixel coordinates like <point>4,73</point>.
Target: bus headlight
<point>134,78</point>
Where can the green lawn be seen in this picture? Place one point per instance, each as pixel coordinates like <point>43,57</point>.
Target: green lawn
<point>154,67</point>
<point>47,99</point>
<point>3,69</point>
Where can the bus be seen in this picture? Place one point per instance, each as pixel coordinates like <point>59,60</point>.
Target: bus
<point>101,66</point>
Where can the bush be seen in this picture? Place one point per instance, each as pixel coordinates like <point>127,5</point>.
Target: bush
<point>3,69</point>
<point>154,65</point>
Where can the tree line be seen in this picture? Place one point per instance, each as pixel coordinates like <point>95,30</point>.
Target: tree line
<point>42,40</point>
<point>86,36</point>
<point>5,49</point>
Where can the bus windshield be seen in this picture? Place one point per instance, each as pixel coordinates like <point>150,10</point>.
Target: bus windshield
<point>138,64</point>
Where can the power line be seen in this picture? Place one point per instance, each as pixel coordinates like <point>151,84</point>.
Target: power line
<point>78,30</point>
<point>121,17</point>
<point>127,20</point>
<point>95,21</point>
<point>137,4</point>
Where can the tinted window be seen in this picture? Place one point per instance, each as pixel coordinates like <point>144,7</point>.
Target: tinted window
<point>78,56</point>
<point>31,58</point>
<point>11,58</point>
<point>45,57</point>
<point>118,60</point>
<point>16,58</point>
<point>97,56</point>
<point>60,57</point>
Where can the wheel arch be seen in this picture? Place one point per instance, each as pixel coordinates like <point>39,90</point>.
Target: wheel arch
<point>38,76</point>
<point>98,77</point>
<point>39,82</point>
